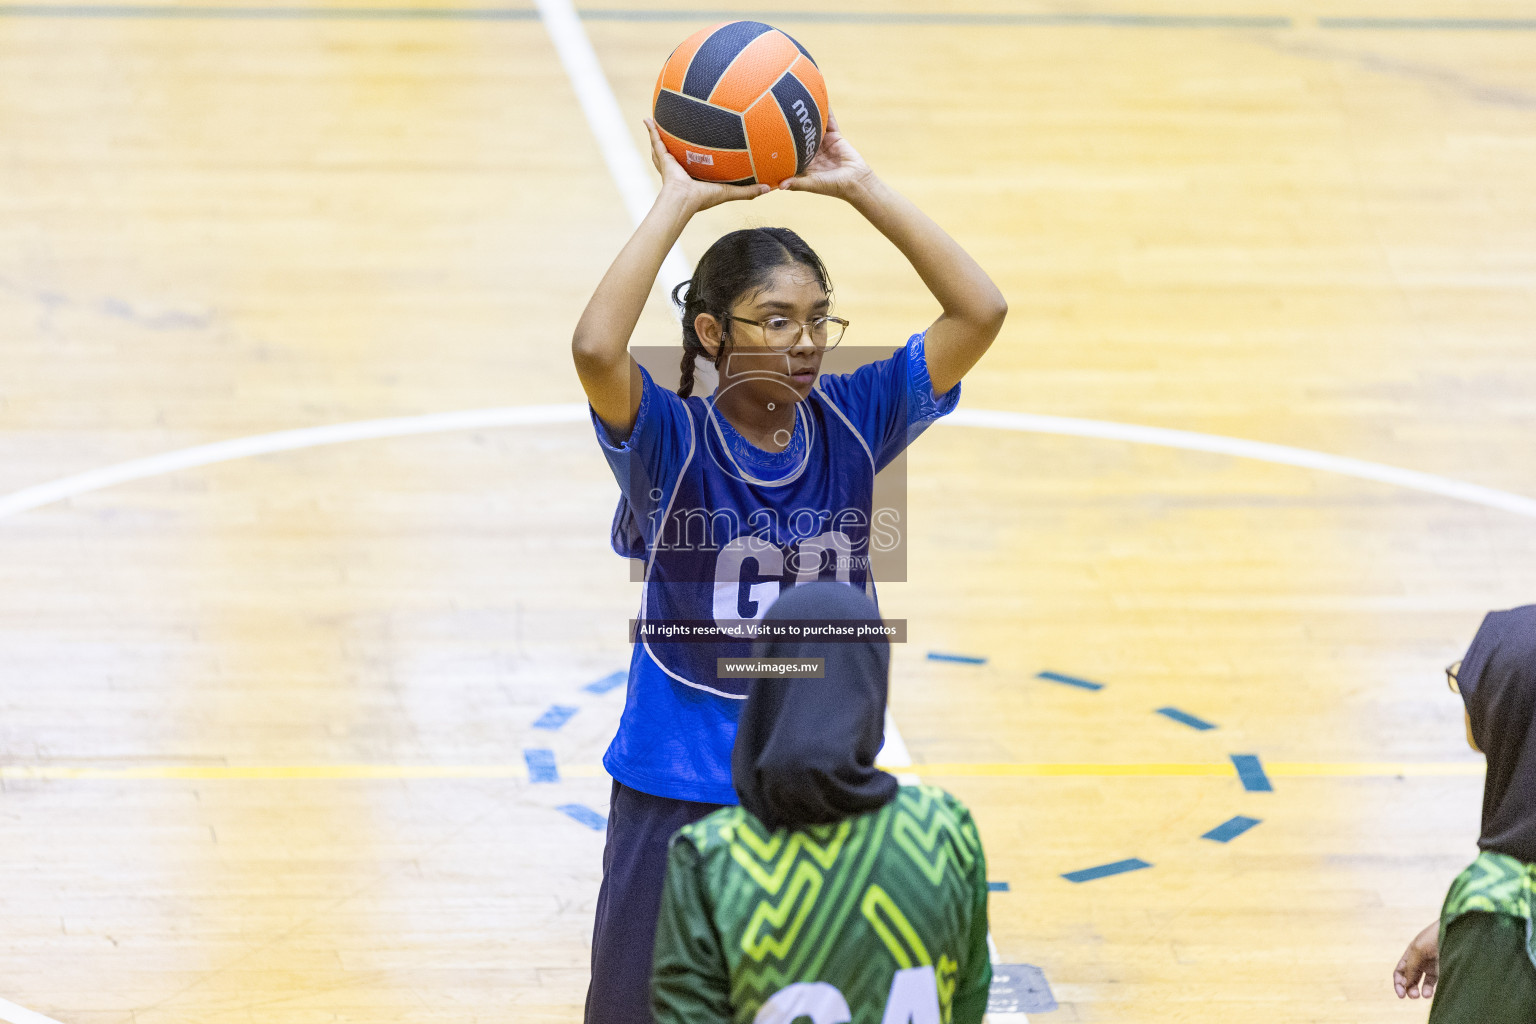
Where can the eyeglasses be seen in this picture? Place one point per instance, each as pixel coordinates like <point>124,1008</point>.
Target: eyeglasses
<point>1452,671</point>
<point>782,334</point>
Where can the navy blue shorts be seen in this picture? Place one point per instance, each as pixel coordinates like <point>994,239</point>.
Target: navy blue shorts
<point>634,867</point>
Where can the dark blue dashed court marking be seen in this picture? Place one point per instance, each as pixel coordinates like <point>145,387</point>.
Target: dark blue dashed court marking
<point>1252,773</point>
<point>997,887</point>
<point>964,659</point>
<point>608,682</point>
<point>1082,684</point>
<point>1230,830</point>
<point>541,766</point>
<point>584,815</point>
<point>1185,718</point>
<point>555,717</point>
<point>1119,867</point>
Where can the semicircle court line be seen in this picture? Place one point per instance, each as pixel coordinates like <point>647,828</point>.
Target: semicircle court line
<point>13,1014</point>
<point>63,488</point>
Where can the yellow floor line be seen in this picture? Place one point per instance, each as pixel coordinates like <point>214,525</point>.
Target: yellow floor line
<point>285,772</point>
<point>1375,768</point>
<point>321,772</point>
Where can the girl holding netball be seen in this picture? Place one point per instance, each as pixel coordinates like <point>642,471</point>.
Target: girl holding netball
<point>731,498</point>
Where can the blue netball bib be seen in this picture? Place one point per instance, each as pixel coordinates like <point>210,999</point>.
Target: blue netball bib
<point>723,527</point>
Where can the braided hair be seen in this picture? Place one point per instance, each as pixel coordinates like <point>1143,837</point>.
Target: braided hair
<point>736,264</point>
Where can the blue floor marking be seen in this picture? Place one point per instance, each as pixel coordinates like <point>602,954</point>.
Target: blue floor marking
<point>555,717</point>
<point>1119,867</point>
<point>611,681</point>
<point>1082,684</point>
<point>997,887</point>
<point>1230,830</point>
<point>964,659</point>
<point>1252,773</point>
<point>1185,718</point>
<point>541,766</point>
<point>585,815</point>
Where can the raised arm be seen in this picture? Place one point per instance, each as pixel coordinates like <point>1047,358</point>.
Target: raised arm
<point>973,308</point>
<point>600,345</point>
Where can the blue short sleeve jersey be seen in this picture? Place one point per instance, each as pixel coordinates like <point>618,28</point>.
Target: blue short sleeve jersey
<point>723,527</point>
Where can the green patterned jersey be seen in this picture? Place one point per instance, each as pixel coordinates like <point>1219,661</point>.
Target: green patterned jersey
<point>879,919</point>
<point>1495,883</point>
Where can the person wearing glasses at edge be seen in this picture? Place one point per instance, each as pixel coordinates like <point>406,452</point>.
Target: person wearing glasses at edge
<point>1478,961</point>
<point>731,498</point>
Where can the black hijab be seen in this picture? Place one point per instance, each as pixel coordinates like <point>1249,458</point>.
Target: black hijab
<point>1498,684</point>
<point>805,748</point>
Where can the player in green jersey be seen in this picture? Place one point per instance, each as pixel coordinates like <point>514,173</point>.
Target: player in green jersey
<point>1478,961</point>
<point>831,894</point>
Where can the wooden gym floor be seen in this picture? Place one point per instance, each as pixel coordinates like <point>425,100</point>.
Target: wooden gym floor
<point>263,722</point>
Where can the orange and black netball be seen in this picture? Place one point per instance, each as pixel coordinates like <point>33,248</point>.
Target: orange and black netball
<point>741,102</point>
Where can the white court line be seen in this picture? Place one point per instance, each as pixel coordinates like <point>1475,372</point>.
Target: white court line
<point>625,164</point>
<point>13,1014</point>
<point>1261,450</point>
<point>54,491</point>
<point>894,753</point>
<point>284,441</point>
